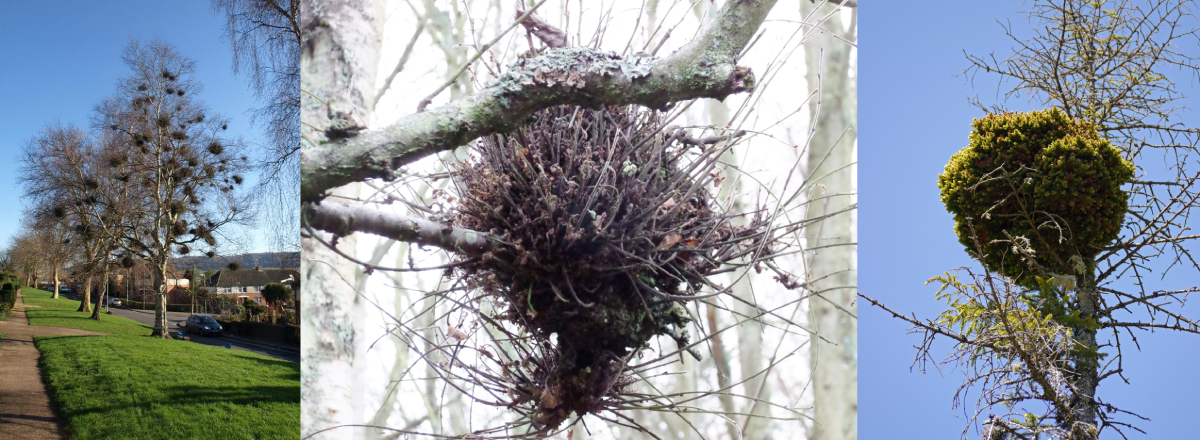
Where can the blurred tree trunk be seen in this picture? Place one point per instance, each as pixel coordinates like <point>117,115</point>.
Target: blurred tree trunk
<point>448,31</point>
<point>100,297</point>
<point>57,282</point>
<point>750,359</point>
<point>718,116</point>
<point>681,424</point>
<point>834,365</point>
<point>85,303</point>
<point>339,62</point>
<point>400,362</point>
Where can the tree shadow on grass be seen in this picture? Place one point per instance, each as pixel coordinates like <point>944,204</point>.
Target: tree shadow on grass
<point>194,412</point>
<point>190,398</point>
<point>293,367</point>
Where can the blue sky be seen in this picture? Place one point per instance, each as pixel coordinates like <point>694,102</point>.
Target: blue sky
<point>913,116</point>
<point>62,58</point>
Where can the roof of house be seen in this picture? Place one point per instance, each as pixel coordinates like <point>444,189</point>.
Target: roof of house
<point>252,277</point>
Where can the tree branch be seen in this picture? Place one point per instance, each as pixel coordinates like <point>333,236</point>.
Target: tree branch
<point>341,220</point>
<point>703,68</point>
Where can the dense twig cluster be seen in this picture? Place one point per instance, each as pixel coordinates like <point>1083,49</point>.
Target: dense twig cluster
<point>609,229</point>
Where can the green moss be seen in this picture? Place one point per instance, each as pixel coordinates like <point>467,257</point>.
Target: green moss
<point>1031,174</point>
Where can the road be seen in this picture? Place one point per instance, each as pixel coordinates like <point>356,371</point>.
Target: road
<point>173,318</point>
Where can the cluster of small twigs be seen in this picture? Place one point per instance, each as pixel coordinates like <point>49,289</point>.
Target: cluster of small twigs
<point>608,232</point>
<point>576,241</point>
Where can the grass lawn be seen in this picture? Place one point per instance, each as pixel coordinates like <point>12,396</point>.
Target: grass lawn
<point>61,312</point>
<point>138,387</point>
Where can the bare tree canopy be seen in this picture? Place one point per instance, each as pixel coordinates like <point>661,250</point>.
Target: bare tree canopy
<point>176,174</point>
<point>265,38</point>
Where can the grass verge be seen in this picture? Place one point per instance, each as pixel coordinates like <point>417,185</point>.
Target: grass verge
<point>138,387</point>
<point>45,311</point>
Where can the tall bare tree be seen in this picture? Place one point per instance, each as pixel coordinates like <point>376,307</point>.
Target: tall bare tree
<point>61,163</point>
<point>27,255</point>
<point>55,240</point>
<point>265,37</point>
<point>179,173</point>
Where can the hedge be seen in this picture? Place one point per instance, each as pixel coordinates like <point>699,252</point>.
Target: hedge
<point>8,299</point>
<point>187,308</point>
<point>283,334</point>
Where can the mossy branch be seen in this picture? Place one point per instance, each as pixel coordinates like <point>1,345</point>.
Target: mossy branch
<point>703,68</point>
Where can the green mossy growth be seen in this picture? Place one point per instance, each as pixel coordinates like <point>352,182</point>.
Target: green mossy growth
<point>1039,175</point>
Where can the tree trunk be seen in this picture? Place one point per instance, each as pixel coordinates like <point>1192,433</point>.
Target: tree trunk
<point>750,359</point>
<point>100,297</point>
<point>85,305</point>
<point>834,363</point>
<point>161,330</point>
<point>339,63</point>
<point>685,382</point>
<point>400,362</point>
<point>57,283</point>
<point>1083,384</point>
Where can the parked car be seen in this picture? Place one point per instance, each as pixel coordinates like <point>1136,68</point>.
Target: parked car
<point>114,302</point>
<point>202,324</point>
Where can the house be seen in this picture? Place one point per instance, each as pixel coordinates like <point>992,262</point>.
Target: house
<point>249,283</point>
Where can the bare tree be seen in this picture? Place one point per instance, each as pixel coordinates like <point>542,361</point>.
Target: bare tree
<point>168,155</point>
<point>265,37</point>
<point>27,255</point>
<point>1028,326</point>
<point>55,240</point>
<point>61,164</point>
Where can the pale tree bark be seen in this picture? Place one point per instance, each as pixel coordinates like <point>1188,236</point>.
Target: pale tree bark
<point>86,304</point>
<point>339,62</point>
<point>718,116</point>
<point>57,282</point>
<point>750,359</point>
<point>448,29</point>
<point>429,393</point>
<point>1087,371</point>
<point>100,297</point>
<point>681,424</point>
<point>755,424</point>
<point>833,269</point>
<point>400,361</point>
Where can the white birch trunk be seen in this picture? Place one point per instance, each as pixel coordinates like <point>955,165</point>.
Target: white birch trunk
<point>835,363</point>
<point>339,62</point>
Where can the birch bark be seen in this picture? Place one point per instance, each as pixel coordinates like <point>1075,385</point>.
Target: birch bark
<point>339,62</point>
<point>830,154</point>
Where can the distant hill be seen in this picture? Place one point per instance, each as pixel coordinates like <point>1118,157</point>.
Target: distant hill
<point>280,260</point>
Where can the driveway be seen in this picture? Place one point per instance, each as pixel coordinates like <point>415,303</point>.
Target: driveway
<point>174,318</point>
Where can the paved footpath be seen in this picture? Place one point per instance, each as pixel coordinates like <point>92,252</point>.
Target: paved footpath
<point>25,410</point>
